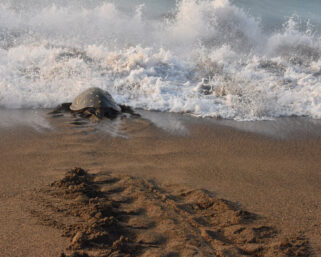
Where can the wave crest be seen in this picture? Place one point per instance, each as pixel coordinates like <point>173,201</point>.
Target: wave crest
<point>209,58</point>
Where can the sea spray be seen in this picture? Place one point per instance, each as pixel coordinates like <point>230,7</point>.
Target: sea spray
<point>206,58</point>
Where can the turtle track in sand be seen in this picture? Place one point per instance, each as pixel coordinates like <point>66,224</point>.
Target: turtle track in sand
<point>117,215</point>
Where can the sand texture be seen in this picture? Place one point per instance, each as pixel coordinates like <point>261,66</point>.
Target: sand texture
<point>108,215</point>
<point>162,180</point>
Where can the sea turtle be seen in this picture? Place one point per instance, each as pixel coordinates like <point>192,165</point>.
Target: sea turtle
<point>94,103</point>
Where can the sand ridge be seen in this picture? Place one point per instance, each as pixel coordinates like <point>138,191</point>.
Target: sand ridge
<point>120,215</point>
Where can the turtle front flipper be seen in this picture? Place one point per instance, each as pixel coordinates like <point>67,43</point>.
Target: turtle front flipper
<point>64,107</point>
<point>109,113</point>
<point>100,113</point>
<point>128,109</point>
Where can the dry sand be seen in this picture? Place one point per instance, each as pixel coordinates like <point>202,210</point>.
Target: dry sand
<point>277,178</point>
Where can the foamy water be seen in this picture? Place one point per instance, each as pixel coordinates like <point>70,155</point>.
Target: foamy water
<point>206,58</point>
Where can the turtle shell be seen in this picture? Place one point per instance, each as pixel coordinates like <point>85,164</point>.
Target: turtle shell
<point>94,98</point>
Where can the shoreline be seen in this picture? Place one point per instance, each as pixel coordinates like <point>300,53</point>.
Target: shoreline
<point>275,177</point>
<point>282,128</point>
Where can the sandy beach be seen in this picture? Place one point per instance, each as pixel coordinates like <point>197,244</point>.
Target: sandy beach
<point>175,128</point>
<point>271,169</point>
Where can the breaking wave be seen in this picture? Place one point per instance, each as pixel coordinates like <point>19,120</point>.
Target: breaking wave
<point>207,58</point>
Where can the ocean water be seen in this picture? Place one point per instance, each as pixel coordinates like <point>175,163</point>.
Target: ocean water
<point>240,60</point>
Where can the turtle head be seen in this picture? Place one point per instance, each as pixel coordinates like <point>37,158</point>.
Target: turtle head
<point>100,113</point>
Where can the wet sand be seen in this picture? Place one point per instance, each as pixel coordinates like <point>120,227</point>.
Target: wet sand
<point>272,170</point>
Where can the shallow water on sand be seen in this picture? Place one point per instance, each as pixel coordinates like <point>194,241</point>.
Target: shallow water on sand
<point>170,123</point>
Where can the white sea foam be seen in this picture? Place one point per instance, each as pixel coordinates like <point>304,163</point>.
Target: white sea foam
<point>27,118</point>
<point>208,58</point>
